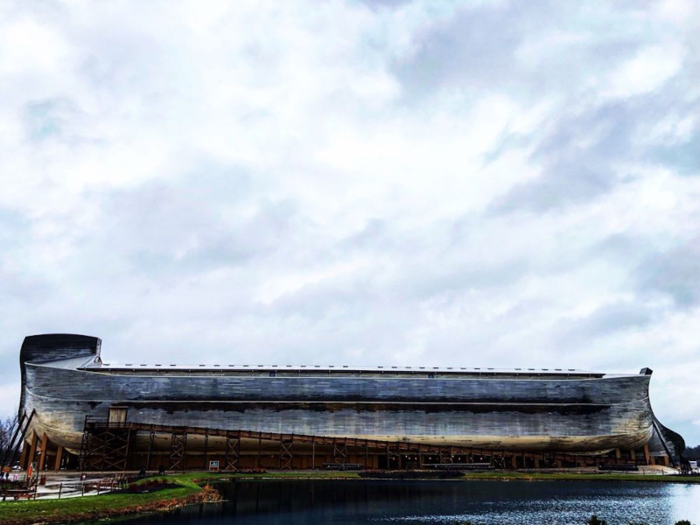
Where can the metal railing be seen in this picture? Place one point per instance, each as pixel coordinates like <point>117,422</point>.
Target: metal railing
<point>39,488</point>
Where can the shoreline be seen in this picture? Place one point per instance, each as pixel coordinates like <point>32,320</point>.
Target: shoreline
<point>110,506</point>
<point>194,488</point>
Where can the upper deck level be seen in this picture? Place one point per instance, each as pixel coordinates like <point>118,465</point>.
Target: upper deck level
<point>337,371</point>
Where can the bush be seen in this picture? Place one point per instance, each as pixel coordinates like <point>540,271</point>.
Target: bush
<point>595,521</point>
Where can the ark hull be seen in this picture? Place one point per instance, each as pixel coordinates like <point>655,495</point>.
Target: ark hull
<point>65,381</point>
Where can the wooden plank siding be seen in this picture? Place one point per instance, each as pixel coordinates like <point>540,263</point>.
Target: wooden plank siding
<point>554,412</point>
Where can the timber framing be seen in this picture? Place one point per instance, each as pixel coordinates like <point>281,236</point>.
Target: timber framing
<point>106,446</point>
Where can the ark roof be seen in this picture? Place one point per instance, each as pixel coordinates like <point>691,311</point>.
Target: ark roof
<point>335,369</point>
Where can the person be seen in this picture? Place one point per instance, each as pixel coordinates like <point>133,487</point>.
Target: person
<point>142,473</point>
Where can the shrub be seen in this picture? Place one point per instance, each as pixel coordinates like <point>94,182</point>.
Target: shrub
<point>595,521</point>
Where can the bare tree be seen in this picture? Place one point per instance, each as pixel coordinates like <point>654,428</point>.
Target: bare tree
<point>7,432</point>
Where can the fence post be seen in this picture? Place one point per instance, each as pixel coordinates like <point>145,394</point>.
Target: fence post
<point>82,488</point>
<point>36,489</point>
<point>60,490</point>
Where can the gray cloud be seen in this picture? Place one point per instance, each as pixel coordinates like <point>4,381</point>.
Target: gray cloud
<point>675,273</point>
<point>498,184</point>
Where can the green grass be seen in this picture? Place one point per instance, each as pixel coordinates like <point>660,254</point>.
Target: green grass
<point>40,510</point>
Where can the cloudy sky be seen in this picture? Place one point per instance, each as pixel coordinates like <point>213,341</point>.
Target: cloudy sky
<point>504,184</point>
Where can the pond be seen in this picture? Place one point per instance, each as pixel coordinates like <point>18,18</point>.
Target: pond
<point>441,502</point>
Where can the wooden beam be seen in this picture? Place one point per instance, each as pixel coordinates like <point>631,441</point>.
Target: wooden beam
<point>41,464</point>
<point>23,456</point>
<point>32,449</point>
<point>59,456</point>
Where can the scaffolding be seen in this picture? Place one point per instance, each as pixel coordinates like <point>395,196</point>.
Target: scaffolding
<point>110,446</point>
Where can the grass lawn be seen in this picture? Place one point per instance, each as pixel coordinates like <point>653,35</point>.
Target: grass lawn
<point>46,510</point>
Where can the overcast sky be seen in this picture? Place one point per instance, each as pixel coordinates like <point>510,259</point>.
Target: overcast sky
<point>497,184</point>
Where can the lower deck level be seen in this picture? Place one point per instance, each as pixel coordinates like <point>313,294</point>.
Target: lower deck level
<point>132,446</point>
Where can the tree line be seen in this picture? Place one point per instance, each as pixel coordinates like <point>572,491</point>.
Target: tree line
<point>692,453</point>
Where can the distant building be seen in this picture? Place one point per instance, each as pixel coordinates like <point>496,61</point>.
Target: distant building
<point>89,414</point>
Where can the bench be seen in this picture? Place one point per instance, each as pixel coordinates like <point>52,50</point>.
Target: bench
<point>19,494</point>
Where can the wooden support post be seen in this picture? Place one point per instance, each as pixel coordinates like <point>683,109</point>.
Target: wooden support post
<point>59,457</point>
<point>514,461</point>
<point>286,458</point>
<point>206,452</point>
<point>32,449</point>
<point>23,457</point>
<point>646,453</point>
<point>41,464</point>
<point>151,440</point>
<point>313,454</point>
<point>537,462</point>
<point>233,452</point>
<point>259,449</point>
<point>559,463</point>
<point>178,451</point>
<point>618,454</point>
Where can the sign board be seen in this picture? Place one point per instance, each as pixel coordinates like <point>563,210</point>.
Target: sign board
<point>214,466</point>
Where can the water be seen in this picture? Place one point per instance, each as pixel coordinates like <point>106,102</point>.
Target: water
<point>441,502</point>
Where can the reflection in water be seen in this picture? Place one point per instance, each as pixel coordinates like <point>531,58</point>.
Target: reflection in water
<point>441,502</point>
